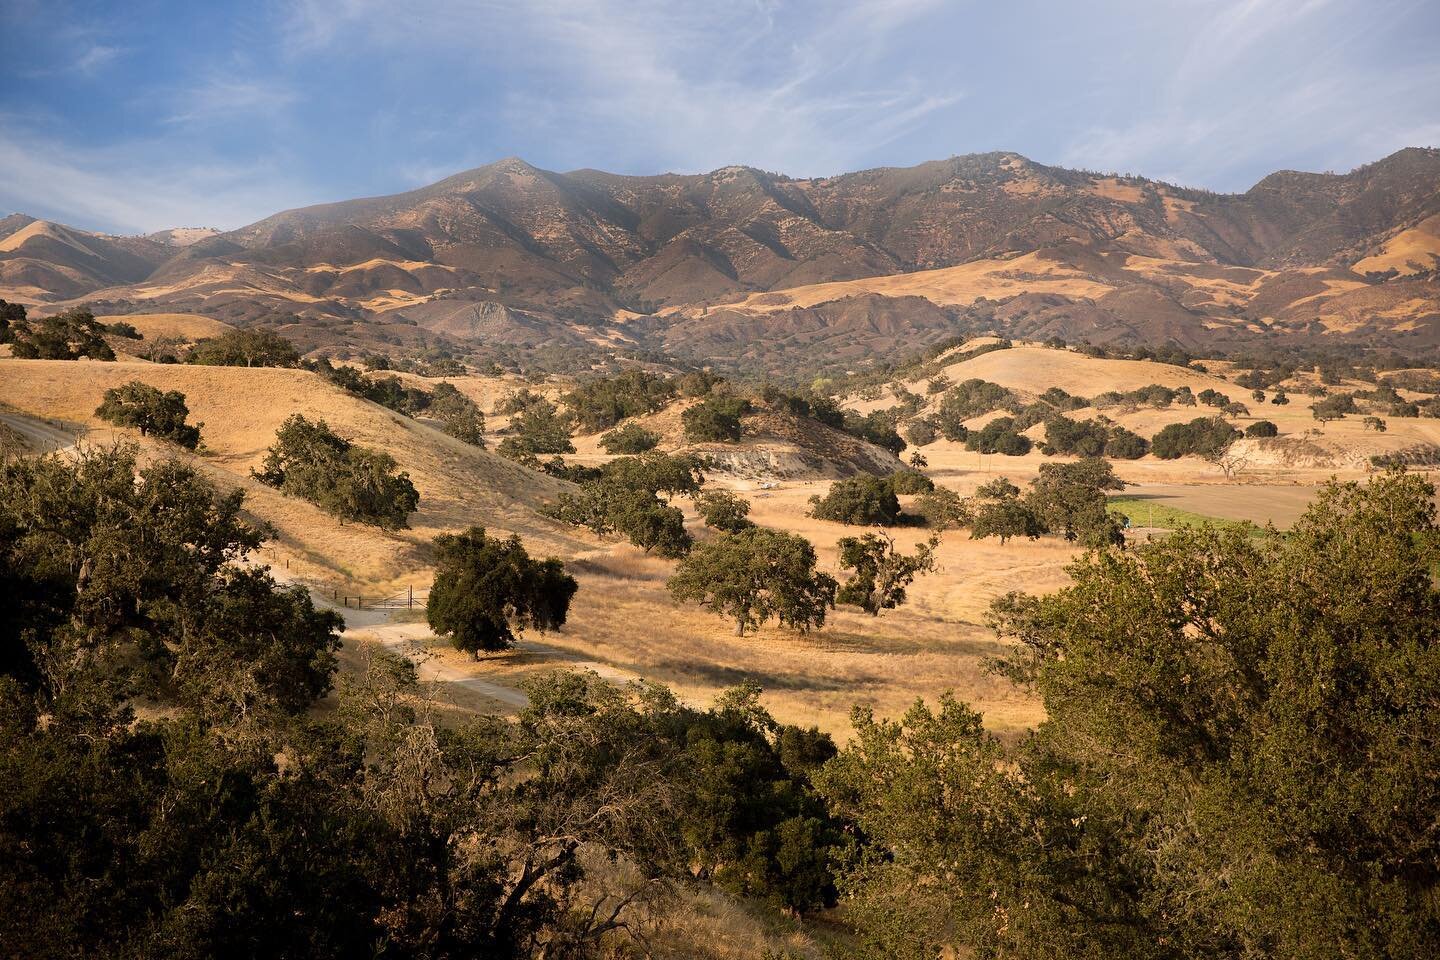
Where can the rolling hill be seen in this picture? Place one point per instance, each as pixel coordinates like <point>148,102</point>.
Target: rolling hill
<point>241,408</point>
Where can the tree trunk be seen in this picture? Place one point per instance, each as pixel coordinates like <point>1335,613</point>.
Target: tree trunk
<point>739,628</point>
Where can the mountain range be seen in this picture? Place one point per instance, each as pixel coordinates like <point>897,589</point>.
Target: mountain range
<point>745,268</point>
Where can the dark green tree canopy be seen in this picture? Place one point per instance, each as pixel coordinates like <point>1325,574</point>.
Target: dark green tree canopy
<point>881,573</point>
<point>629,439</point>
<point>311,461</point>
<point>65,336</point>
<point>11,315</point>
<point>458,414</point>
<point>486,589</point>
<point>130,571</point>
<point>1069,499</point>
<point>716,418</point>
<point>625,498</point>
<point>724,511</point>
<point>1001,435</point>
<point>862,500</point>
<point>999,511</point>
<point>754,575</point>
<point>537,429</point>
<point>151,411</point>
<point>1207,437</point>
<point>245,348</point>
<point>1237,758</point>
<point>601,403</point>
<point>877,427</point>
<point>1262,428</point>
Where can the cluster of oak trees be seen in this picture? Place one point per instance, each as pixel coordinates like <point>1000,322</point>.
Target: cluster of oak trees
<point>1237,758</point>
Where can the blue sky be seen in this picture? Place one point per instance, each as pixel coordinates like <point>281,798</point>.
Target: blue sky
<point>143,114</point>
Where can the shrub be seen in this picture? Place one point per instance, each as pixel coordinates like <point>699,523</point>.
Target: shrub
<point>999,436</point>
<point>518,401</point>
<point>1204,436</point>
<point>754,575</point>
<point>571,472</point>
<point>120,328</point>
<point>602,403</point>
<point>66,336</point>
<point>486,588</point>
<point>151,411</point>
<point>1262,428</point>
<point>310,461</point>
<point>861,500</point>
<point>245,348</point>
<point>715,419</point>
<point>724,511</point>
<point>631,438</point>
<point>1059,399</point>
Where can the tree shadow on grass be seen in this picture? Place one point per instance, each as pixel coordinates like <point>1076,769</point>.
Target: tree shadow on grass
<point>721,675</point>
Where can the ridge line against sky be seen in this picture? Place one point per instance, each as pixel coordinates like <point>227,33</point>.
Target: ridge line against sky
<point>156,114</point>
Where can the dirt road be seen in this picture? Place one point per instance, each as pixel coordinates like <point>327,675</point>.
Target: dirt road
<point>42,437</point>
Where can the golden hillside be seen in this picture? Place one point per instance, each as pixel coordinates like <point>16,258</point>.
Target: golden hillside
<point>242,408</point>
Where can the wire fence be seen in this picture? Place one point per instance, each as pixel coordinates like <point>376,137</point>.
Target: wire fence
<point>406,599</point>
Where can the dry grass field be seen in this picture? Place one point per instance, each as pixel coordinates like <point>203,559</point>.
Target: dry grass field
<point>179,326</point>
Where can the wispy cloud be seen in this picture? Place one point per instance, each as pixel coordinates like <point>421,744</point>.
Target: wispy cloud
<point>96,56</point>
<point>691,84</point>
<point>220,98</point>
<point>1264,83</point>
<point>124,120</point>
<point>134,188</point>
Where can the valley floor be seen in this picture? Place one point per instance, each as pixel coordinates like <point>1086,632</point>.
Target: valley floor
<point>623,623</point>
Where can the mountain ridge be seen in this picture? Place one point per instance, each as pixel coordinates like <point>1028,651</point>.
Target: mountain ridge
<point>594,248</point>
